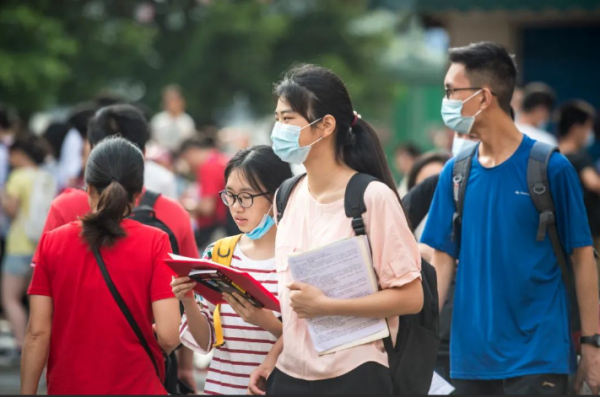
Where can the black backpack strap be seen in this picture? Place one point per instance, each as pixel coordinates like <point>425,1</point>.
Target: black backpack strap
<point>149,199</point>
<point>124,309</point>
<point>354,203</point>
<point>539,190</point>
<point>460,179</point>
<point>283,194</point>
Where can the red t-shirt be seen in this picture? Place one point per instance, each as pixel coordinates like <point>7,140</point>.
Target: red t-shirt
<point>73,203</point>
<point>211,180</point>
<point>92,347</point>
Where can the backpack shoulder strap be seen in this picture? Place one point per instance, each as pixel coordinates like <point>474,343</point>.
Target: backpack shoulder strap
<point>283,194</point>
<point>223,250</point>
<point>149,199</point>
<point>222,254</point>
<point>539,191</point>
<point>460,179</point>
<point>354,203</point>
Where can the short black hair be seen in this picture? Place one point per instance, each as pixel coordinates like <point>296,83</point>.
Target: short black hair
<point>424,160</point>
<point>487,63</point>
<point>573,113</point>
<point>34,147</point>
<point>206,142</point>
<point>80,116</point>
<point>126,121</point>
<point>409,148</point>
<point>173,88</point>
<point>55,135</point>
<point>7,117</point>
<point>261,168</point>
<point>538,95</point>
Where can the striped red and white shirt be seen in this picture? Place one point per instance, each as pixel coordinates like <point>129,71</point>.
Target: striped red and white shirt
<point>246,345</point>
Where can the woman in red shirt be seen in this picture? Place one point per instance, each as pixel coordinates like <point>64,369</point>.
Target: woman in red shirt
<point>75,322</point>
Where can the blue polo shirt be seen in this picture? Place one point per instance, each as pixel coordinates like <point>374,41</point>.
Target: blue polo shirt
<point>511,313</point>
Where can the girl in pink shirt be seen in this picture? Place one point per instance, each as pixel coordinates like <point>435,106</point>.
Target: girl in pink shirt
<point>317,126</point>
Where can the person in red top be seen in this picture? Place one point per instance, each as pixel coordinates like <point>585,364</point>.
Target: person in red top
<point>130,123</point>
<point>209,164</point>
<point>75,322</point>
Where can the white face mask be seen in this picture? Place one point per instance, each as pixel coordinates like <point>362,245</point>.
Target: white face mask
<point>462,144</point>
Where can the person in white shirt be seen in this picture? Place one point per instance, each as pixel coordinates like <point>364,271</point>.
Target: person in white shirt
<point>159,179</point>
<point>538,101</point>
<point>172,126</point>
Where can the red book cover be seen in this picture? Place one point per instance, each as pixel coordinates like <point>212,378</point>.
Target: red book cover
<point>183,266</point>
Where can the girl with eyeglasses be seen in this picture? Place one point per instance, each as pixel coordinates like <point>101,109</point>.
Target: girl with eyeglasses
<point>252,176</point>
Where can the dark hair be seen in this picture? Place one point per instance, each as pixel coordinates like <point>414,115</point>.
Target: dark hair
<point>205,142</point>
<point>487,63</point>
<point>80,117</point>
<point>409,148</point>
<point>115,169</point>
<point>597,129</point>
<point>261,167</point>
<point>572,113</point>
<point>7,117</point>
<point>55,135</point>
<point>124,120</point>
<point>34,147</point>
<point>108,98</point>
<point>173,88</point>
<point>538,95</point>
<point>422,161</point>
<point>315,92</point>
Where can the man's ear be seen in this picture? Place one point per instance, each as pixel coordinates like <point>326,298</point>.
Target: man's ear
<point>486,98</point>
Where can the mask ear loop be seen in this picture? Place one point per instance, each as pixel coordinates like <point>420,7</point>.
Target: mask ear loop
<point>317,120</point>
<point>472,96</point>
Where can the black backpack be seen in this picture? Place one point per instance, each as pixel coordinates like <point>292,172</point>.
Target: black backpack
<point>144,213</point>
<point>412,360</point>
<point>539,191</point>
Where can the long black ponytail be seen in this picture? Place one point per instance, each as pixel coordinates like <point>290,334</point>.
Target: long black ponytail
<point>115,169</point>
<point>314,92</point>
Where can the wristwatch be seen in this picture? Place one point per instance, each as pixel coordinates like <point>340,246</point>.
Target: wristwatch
<point>590,340</point>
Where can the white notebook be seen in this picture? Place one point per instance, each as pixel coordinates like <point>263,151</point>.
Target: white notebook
<point>342,270</point>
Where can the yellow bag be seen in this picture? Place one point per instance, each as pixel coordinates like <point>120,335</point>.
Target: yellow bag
<point>222,254</point>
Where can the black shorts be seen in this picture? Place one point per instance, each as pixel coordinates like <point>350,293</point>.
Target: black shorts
<point>369,378</point>
<point>544,384</point>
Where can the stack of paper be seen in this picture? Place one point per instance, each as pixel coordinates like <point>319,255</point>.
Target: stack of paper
<point>342,270</point>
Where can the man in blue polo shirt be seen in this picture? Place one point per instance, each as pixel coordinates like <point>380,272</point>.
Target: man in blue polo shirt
<point>510,328</point>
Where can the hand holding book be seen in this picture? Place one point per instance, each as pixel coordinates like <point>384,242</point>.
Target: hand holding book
<point>307,301</point>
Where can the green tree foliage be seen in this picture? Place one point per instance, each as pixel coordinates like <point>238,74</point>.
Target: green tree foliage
<point>63,52</point>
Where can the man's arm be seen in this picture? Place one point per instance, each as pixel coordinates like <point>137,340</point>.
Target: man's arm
<point>586,285</point>
<point>590,179</point>
<point>444,266</point>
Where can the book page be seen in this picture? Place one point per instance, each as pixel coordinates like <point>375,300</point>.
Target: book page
<point>439,386</point>
<point>342,271</point>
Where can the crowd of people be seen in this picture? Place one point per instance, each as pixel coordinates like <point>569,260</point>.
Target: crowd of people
<point>507,213</point>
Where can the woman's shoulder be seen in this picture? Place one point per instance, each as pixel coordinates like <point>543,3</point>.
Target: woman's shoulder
<point>380,192</point>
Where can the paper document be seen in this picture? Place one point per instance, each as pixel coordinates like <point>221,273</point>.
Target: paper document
<point>439,386</point>
<point>342,270</point>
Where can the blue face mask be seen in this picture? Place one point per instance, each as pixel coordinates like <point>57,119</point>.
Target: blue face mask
<point>263,227</point>
<point>286,143</point>
<point>452,115</point>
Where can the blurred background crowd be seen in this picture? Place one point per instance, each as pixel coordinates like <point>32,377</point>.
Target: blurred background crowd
<point>202,73</point>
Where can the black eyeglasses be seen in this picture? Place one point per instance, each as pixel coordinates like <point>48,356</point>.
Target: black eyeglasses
<point>245,199</point>
<point>450,91</point>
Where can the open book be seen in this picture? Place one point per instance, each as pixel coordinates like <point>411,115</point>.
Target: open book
<point>213,280</point>
<point>342,270</point>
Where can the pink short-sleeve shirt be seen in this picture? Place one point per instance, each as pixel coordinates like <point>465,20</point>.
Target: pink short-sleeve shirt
<point>307,224</point>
